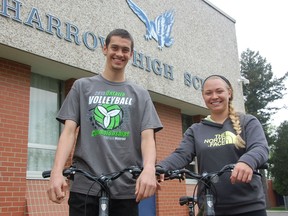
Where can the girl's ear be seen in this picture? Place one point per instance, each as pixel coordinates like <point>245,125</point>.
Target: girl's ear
<point>230,94</point>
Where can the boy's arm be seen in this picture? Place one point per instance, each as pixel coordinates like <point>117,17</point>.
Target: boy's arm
<point>146,183</point>
<point>57,184</point>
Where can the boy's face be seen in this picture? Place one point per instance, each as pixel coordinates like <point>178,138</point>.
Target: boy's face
<point>118,53</point>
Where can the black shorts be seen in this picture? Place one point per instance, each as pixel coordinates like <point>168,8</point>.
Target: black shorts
<point>117,207</point>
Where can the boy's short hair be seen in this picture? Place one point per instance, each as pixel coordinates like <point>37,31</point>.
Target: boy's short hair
<point>121,33</point>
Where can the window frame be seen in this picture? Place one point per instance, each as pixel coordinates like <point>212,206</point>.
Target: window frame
<point>30,174</point>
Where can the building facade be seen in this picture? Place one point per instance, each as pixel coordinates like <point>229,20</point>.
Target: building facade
<point>46,45</point>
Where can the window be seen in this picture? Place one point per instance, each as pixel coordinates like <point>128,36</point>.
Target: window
<point>44,130</point>
<point>187,121</point>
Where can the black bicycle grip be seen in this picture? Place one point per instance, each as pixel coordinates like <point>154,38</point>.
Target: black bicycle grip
<point>160,170</point>
<point>66,172</point>
<point>185,200</point>
<point>46,174</point>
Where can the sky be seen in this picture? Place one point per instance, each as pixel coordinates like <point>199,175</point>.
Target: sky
<point>262,25</point>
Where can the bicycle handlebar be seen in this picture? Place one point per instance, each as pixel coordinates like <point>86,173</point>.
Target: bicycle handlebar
<point>208,179</point>
<point>181,173</point>
<point>134,170</point>
<point>103,181</point>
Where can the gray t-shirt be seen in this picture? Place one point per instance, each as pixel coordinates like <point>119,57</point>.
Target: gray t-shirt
<point>111,117</point>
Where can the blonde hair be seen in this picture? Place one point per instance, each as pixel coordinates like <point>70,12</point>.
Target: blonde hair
<point>240,143</point>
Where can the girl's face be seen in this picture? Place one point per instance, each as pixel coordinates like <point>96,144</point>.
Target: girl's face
<point>216,94</point>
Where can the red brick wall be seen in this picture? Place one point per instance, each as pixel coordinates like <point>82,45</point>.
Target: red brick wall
<point>271,194</point>
<point>14,119</point>
<point>21,197</point>
<point>167,140</point>
<point>38,203</point>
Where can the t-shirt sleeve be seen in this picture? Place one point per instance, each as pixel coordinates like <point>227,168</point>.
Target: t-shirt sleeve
<point>150,118</point>
<point>70,109</point>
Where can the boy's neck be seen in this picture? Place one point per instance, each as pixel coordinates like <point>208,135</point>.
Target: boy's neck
<point>114,76</point>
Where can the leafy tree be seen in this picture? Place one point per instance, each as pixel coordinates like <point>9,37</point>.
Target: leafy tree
<point>279,160</point>
<point>263,88</point>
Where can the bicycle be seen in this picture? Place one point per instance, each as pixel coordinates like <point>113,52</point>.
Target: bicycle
<point>208,179</point>
<point>103,181</point>
<point>190,201</point>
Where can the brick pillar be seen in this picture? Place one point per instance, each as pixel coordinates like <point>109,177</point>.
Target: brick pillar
<point>166,141</point>
<point>68,85</point>
<point>14,120</point>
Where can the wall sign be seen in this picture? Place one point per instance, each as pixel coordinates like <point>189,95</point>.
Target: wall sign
<point>159,30</point>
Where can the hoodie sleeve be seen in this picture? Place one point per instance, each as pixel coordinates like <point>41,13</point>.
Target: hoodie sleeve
<point>257,150</point>
<point>183,154</point>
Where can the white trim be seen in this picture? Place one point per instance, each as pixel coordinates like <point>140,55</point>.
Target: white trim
<point>38,174</point>
<point>34,175</point>
<point>191,181</point>
<point>219,10</point>
<point>42,146</point>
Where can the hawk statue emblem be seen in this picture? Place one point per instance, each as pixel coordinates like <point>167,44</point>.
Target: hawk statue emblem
<point>159,29</point>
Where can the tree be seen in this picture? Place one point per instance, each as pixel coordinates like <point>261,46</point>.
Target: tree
<point>279,160</point>
<point>263,88</point>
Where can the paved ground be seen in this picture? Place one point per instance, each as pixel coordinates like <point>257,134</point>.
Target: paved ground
<point>277,213</point>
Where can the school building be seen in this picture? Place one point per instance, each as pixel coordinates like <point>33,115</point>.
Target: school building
<point>46,45</point>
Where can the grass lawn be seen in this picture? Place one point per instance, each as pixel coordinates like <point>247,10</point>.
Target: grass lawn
<point>278,208</point>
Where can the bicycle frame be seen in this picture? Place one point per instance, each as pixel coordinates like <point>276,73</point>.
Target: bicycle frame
<point>103,181</point>
<point>207,179</point>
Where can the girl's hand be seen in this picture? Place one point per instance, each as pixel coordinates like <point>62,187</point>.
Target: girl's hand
<point>241,173</point>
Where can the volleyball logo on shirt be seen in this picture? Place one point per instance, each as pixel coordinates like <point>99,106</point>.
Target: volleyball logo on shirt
<point>108,116</point>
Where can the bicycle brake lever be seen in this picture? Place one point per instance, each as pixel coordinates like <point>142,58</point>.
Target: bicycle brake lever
<point>69,173</point>
<point>135,171</point>
<point>229,167</point>
<point>181,178</point>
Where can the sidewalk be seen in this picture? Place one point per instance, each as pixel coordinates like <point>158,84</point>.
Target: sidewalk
<point>277,213</point>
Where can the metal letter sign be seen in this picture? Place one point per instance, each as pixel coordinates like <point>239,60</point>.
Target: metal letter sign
<point>160,29</point>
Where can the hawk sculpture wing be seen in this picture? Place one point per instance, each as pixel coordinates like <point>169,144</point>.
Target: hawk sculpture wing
<point>164,24</point>
<point>143,17</point>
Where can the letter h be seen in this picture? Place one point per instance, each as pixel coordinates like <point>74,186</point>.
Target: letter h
<point>16,8</point>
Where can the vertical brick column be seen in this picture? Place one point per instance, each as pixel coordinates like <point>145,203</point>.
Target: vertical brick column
<point>14,120</point>
<point>167,140</point>
<point>68,85</point>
